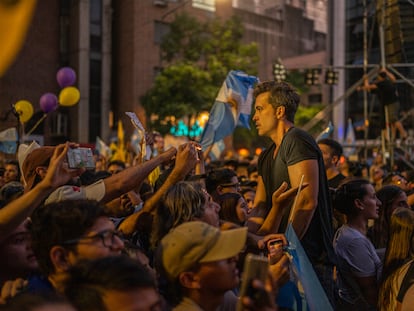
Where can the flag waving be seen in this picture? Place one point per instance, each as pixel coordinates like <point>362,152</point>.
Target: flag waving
<point>232,107</point>
<point>8,140</point>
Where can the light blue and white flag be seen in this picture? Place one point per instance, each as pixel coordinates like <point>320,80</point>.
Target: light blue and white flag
<point>102,148</point>
<point>350,140</point>
<point>303,291</point>
<point>231,108</point>
<point>8,140</point>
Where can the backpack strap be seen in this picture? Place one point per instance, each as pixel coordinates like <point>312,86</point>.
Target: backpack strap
<point>407,282</point>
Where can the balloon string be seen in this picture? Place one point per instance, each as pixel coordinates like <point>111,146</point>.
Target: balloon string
<point>37,124</point>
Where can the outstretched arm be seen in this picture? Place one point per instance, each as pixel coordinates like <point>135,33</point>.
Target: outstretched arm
<point>128,179</point>
<point>185,162</point>
<point>58,173</point>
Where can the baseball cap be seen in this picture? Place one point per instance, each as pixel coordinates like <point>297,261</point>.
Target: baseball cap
<point>197,242</point>
<point>37,157</point>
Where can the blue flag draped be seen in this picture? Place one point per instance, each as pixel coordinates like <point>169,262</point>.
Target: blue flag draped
<point>231,108</point>
<point>310,292</point>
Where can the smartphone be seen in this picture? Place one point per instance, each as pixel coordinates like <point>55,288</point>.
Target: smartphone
<point>255,267</point>
<point>275,250</point>
<point>80,157</point>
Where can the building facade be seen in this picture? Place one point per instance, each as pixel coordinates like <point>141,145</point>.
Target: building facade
<point>114,47</point>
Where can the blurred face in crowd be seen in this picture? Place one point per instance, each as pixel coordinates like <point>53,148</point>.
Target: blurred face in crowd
<point>16,255</point>
<point>400,181</point>
<point>11,173</point>
<point>329,160</point>
<point>249,198</point>
<point>241,210</point>
<point>220,276</point>
<point>115,169</point>
<point>211,211</point>
<point>400,201</point>
<point>139,299</point>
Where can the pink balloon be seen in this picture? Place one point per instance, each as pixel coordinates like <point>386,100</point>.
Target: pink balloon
<point>48,102</point>
<point>66,76</point>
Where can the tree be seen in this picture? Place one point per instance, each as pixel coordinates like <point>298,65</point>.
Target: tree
<point>196,58</point>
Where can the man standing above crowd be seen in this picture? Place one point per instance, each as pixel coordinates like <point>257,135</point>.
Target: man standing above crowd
<point>387,94</point>
<point>294,153</point>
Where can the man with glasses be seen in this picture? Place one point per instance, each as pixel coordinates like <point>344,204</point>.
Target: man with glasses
<point>221,181</point>
<point>66,232</point>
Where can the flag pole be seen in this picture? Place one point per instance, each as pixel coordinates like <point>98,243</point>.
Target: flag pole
<point>292,210</point>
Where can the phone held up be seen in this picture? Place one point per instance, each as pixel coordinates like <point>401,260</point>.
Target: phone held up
<point>80,158</point>
<point>255,268</point>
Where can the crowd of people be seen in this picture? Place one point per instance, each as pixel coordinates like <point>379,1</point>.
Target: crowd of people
<point>112,239</point>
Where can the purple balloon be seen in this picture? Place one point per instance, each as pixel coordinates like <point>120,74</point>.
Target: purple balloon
<point>48,102</point>
<point>66,76</point>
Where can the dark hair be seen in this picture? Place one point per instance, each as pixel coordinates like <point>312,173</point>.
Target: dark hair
<point>30,301</point>
<point>251,169</point>
<point>387,180</point>
<point>88,280</point>
<point>55,223</point>
<point>217,177</point>
<point>383,74</point>
<point>350,189</point>
<point>9,192</point>
<point>16,164</point>
<point>333,144</point>
<point>281,94</point>
<point>117,162</point>
<point>228,206</point>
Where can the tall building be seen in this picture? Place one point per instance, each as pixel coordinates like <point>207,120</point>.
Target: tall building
<point>114,47</point>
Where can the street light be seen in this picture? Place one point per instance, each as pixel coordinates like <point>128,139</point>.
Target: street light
<point>312,76</point>
<point>279,71</point>
<point>331,77</point>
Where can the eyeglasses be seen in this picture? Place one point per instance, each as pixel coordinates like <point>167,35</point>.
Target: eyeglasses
<point>231,185</point>
<point>107,237</point>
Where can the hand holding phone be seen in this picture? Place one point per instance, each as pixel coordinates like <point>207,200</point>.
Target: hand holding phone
<point>255,268</point>
<point>275,250</point>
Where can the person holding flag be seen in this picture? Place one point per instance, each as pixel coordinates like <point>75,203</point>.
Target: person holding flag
<point>294,153</point>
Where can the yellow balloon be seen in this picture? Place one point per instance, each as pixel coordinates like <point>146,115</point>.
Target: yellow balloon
<point>25,110</point>
<point>69,96</point>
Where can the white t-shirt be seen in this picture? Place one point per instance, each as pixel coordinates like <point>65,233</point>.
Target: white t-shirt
<point>356,258</point>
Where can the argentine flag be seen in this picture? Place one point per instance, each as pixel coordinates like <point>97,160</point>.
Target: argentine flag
<point>231,108</point>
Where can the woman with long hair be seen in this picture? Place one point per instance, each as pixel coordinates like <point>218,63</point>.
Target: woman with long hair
<point>397,289</point>
<point>359,266</point>
<point>233,208</point>
<point>391,198</point>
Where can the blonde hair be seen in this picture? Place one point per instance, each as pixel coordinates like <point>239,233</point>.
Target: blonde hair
<point>399,248</point>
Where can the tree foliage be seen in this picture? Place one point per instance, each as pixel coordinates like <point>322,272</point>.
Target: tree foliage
<point>196,58</point>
